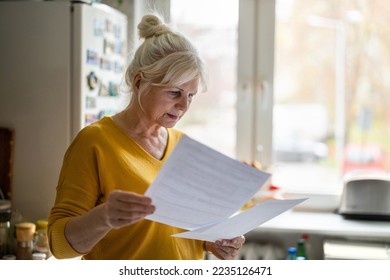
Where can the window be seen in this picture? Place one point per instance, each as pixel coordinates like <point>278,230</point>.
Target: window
<point>212,117</point>
<point>331,91</point>
<point>299,85</point>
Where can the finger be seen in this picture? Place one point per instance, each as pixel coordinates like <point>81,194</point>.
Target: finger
<point>226,253</point>
<point>129,201</point>
<point>228,248</point>
<point>130,211</point>
<point>240,240</point>
<point>130,197</point>
<point>126,207</point>
<point>236,242</point>
<point>131,207</point>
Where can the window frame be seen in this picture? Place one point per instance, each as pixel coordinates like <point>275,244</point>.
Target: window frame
<point>255,80</point>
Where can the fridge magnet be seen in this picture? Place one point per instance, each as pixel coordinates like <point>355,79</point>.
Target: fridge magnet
<point>90,118</point>
<point>118,46</point>
<point>117,31</point>
<point>113,89</point>
<point>90,102</point>
<point>98,28</point>
<point>108,47</point>
<point>92,80</point>
<point>92,57</point>
<point>105,64</point>
<point>106,112</point>
<point>103,90</point>
<point>118,67</point>
<point>109,25</point>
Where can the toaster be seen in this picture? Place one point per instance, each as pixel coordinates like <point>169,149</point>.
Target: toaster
<point>366,196</point>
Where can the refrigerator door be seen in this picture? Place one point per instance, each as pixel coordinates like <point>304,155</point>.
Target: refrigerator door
<point>49,49</point>
<point>99,61</point>
<point>35,74</point>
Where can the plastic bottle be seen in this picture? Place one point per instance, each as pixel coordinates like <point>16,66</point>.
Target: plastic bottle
<point>292,253</point>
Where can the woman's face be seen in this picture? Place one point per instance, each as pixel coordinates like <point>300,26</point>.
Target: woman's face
<point>166,105</point>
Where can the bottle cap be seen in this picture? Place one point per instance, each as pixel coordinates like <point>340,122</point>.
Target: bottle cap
<point>38,256</point>
<point>9,257</point>
<point>305,236</point>
<point>292,250</point>
<point>42,224</point>
<point>25,231</point>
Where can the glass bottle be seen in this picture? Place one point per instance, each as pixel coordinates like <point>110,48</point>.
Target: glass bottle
<point>16,218</point>
<point>41,243</point>
<point>5,217</point>
<point>25,240</point>
<point>301,249</point>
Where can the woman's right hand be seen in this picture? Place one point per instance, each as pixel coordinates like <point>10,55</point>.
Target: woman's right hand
<point>125,208</point>
<point>121,209</point>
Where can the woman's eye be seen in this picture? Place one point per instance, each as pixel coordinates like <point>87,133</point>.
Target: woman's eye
<point>175,93</point>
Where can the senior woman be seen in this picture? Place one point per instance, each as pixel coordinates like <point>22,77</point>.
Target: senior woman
<point>100,208</point>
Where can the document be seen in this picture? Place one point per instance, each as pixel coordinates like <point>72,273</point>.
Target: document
<point>243,222</point>
<point>199,188</point>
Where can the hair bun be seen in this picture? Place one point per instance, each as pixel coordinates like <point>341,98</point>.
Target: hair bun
<point>151,25</point>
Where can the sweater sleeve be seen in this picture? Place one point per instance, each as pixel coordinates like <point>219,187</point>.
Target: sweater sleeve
<point>77,191</point>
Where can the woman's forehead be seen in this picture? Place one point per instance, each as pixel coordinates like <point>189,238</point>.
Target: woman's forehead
<point>191,86</point>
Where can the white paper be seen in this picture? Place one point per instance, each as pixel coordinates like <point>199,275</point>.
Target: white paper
<point>243,222</point>
<point>202,190</point>
<point>199,186</point>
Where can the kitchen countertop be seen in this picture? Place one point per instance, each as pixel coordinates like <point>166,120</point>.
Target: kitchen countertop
<point>326,223</point>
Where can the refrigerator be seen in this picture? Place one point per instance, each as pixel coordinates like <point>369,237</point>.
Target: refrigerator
<point>62,67</point>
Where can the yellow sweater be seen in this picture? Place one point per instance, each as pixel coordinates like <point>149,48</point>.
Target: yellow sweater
<point>103,158</point>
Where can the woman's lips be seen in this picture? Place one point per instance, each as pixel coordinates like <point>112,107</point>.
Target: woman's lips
<point>173,117</point>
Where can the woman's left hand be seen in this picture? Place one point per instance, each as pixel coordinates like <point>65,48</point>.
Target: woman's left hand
<point>225,249</point>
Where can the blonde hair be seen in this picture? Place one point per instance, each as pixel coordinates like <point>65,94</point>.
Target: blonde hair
<point>165,58</point>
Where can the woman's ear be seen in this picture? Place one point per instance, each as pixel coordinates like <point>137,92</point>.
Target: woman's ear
<point>137,82</point>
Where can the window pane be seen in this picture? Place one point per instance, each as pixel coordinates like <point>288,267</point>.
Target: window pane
<point>332,60</point>
<point>212,26</point>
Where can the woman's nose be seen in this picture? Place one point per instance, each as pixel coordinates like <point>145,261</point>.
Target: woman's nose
<point>183,103</point>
